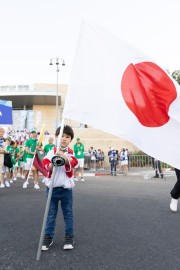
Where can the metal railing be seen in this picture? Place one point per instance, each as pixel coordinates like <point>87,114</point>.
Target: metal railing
<point>144,161</point>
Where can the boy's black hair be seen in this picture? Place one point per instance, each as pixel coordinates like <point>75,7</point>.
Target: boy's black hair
<point>12,143</point>
<point>67,130</point>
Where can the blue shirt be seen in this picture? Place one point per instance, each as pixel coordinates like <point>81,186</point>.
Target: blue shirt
<point>1,142</point>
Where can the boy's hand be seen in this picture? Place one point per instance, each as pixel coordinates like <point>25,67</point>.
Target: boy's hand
<point>61,153</point>
<point>50,166</point>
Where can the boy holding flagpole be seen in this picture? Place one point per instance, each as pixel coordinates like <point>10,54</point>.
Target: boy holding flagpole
<point>62,189</point>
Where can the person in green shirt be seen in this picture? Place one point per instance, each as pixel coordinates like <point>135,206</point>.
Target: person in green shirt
<point>15,161</point>
<point>79,154</point>
<point>30,147</point>
<point>21,161</point>
<point>49,146</point>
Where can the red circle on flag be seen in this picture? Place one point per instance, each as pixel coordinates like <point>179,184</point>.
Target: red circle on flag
<point>148,92</point>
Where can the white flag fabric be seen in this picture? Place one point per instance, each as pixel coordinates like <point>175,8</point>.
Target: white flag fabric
<point>118,89</point>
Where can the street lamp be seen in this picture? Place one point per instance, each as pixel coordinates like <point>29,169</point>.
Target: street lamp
<point>57,62</point>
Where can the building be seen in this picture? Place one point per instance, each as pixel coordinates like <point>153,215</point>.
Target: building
<point>35,105</point>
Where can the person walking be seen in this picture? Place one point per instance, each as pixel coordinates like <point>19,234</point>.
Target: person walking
<point>30,147</point>
<point>49,146</point>
<point>79,154</point>
<point>175,193</point>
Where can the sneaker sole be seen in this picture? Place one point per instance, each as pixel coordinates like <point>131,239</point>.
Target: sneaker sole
<point>68,247</point>
<point>173,211</point>
<point>44,248</point>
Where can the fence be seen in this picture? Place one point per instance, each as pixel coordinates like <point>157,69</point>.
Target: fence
<point>144,161</point>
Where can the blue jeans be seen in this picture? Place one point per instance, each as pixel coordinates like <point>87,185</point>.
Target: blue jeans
<point>66,198</point>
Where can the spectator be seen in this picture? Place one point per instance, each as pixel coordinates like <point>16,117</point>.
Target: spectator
<point>157,167</point>
<point>87,160</point>
<point>93,159</point>
<point>124,161</point>
<point>128,156</point>
<point>113,161</point>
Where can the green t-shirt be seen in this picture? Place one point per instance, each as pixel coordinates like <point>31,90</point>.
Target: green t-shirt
<point>15,152</point>
<point>48,147</point>
<point>31,144</point>
<point>24,156</point>
<point>21,153</point>
<point>79,150</point>
<point>10,150</point>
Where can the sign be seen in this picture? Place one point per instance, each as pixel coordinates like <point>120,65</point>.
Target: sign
<point>6,112</point>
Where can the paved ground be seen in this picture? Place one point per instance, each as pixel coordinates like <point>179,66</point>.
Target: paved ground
<point>121,223</point>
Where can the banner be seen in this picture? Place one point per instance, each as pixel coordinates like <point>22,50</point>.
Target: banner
<point>6,112</point>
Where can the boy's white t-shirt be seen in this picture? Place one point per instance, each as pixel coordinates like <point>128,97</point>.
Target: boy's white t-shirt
<point>60,178</point>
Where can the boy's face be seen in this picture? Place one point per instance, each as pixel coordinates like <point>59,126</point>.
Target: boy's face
<point>66,139</point>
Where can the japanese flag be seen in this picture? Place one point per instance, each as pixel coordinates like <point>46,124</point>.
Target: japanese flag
<point>116,88</point>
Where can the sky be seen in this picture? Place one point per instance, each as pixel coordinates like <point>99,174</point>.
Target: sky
<point>34,31</point>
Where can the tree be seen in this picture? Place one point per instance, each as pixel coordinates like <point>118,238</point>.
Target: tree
<point>176,75</point>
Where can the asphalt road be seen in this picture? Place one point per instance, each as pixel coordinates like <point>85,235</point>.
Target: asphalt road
<point>121,223</point>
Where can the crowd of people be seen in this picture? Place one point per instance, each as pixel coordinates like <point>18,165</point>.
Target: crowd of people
<point>17,152</point>
<point>19,149</point>
<point>18,158</point>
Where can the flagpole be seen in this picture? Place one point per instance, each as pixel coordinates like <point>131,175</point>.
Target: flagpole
<point>49,196</point>
<point>34,155</point>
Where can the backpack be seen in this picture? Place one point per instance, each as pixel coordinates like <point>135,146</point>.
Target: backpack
<point>7,160</point>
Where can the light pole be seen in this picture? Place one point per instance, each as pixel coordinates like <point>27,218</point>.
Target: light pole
<point>57,61</point>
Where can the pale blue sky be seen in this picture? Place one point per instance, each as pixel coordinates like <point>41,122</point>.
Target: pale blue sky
<point>33,31</point>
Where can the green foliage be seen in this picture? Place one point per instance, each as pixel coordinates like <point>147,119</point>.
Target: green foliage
<point>138,153</point>
<point>176,75</point>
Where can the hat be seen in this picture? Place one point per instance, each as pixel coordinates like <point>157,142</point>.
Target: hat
<point>33,131</point>
<point>77,139</point>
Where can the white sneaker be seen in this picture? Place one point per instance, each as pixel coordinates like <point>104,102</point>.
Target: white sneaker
<point>7,184</point>
<point>36,186</point>
<point>23,177</point>
<point>2,185</point>
<point>82,179</point>
<point>14,179</point>
<point>11,181</point>
<point>75,178</point>
<point>25,184</point>
<point>173,205</point>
